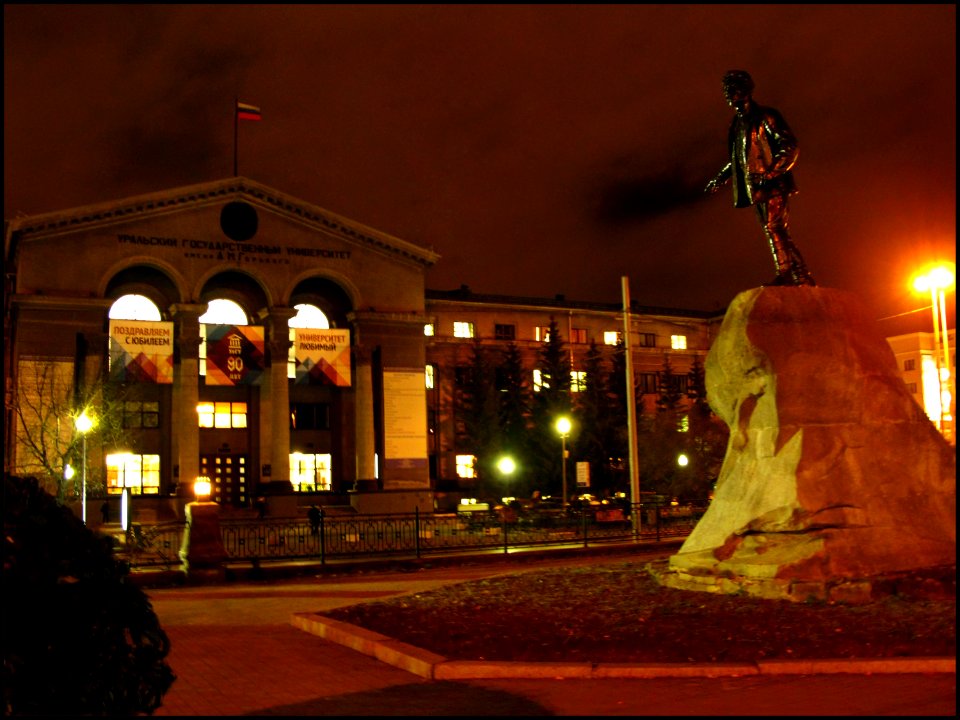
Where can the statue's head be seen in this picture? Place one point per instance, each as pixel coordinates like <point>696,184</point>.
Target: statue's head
<point>737,86</point>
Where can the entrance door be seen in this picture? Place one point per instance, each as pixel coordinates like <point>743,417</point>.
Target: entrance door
<point>228,476</point>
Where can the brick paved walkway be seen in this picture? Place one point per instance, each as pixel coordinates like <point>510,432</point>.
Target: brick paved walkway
<point>235,653</point>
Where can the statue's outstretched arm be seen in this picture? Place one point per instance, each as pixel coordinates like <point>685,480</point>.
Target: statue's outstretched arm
<point>720,179</point>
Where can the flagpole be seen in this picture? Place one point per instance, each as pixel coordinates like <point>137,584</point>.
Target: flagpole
<point>236,104</point>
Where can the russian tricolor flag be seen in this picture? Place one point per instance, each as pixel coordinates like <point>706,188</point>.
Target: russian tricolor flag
<point>246,111</point>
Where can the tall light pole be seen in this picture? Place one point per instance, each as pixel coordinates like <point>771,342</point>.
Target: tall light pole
<point>937,280</point>
<point>563,427</point>
<point>83,424</point>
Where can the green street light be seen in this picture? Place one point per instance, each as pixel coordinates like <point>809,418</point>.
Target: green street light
<point>563,427</point>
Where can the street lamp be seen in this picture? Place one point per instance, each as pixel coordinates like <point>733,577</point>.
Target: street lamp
<point>84,423</point>
<point>506,465</point>
<point>563,427</point>
<point>937,280</point>
<point>202,488</point>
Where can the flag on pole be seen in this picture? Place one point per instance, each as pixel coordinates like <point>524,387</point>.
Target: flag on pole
<point>246,111</point>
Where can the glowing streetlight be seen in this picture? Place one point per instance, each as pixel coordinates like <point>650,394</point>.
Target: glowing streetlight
<point>202,488</point>
<point>938,280</point>
<point>683,460</point>
<point>506,465</point>
<point>84,423</point>
<point>563,427</point>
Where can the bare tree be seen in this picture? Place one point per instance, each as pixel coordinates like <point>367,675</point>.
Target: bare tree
<point>49,400</point>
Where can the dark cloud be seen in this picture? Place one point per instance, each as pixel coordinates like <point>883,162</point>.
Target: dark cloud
<point>634,200</point>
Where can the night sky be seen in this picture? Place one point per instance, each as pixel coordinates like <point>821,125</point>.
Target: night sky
<point>538,149</point>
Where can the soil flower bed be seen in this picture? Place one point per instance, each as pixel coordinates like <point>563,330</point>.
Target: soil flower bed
<point>616,612</point>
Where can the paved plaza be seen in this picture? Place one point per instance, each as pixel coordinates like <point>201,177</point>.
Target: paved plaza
<point>235,652</point>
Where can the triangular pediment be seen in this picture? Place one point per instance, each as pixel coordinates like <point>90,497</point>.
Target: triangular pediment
<point>193,197</point>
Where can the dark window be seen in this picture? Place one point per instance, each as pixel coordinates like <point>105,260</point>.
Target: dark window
<point>648,340</point>
<point>909,365</point>
<point>648,383</point>
<point>461,376</point>
<point>310,416</point>
<point>504,332</point>
<point>141,414</point>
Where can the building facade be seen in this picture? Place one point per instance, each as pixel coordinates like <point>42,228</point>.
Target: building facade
<point>922,362</point>
<point>459,319</point>
<point>110,308</point>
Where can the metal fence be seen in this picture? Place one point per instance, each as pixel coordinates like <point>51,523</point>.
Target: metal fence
<point>417,534</point>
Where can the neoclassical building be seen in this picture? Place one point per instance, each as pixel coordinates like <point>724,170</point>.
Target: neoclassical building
<point>259,340</point>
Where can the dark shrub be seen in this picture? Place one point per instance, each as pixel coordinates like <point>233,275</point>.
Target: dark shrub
<point>78,636</point>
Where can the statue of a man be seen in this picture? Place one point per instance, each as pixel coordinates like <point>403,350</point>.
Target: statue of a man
<point>763,151</point>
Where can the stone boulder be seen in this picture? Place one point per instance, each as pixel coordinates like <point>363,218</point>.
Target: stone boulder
<point>833,475</point>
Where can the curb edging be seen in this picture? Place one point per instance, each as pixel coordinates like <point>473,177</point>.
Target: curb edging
<point>431,666</point>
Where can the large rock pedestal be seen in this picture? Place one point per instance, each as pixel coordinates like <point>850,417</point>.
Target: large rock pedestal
<point>833,476</point>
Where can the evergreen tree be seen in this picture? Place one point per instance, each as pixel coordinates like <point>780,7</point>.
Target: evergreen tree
<point>669,397</point>
<point>618,447</point>
<point>513,412</point>
<point>594,419</point>
<point>550,403</point>
<point>478,403</point>
<point>707,441</point>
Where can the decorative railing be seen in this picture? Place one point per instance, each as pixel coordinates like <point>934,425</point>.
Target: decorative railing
<point>418,534</point>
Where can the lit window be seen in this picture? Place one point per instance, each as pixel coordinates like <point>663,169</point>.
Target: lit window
<point>309,317</point>
<point>463,329</point>
<point>678,342</point>
<point>542,333</point>
<point>222,414</point>
<point>139,473</point>
<point>684,425</point>
<point>578,381</point>
<point>465,466</point>
<point>931,389</point>
<point>310,472</point>
<point>428,329</point>
<point>539,382</point>
<point>611,337</point>
<point>430,371</point>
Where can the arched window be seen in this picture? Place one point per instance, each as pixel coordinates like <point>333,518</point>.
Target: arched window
<point>134,307</point>
<point>219,312</point>
<point>308,316</point>
<point>224,312</point>
<point>139,473</point>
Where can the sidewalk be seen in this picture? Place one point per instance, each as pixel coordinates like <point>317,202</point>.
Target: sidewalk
<point>235,652</point>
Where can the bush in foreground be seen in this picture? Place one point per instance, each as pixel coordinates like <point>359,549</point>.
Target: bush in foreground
<point>78,636</point>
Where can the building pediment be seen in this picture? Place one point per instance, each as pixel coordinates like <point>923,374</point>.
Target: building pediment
<point>193,197</point>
